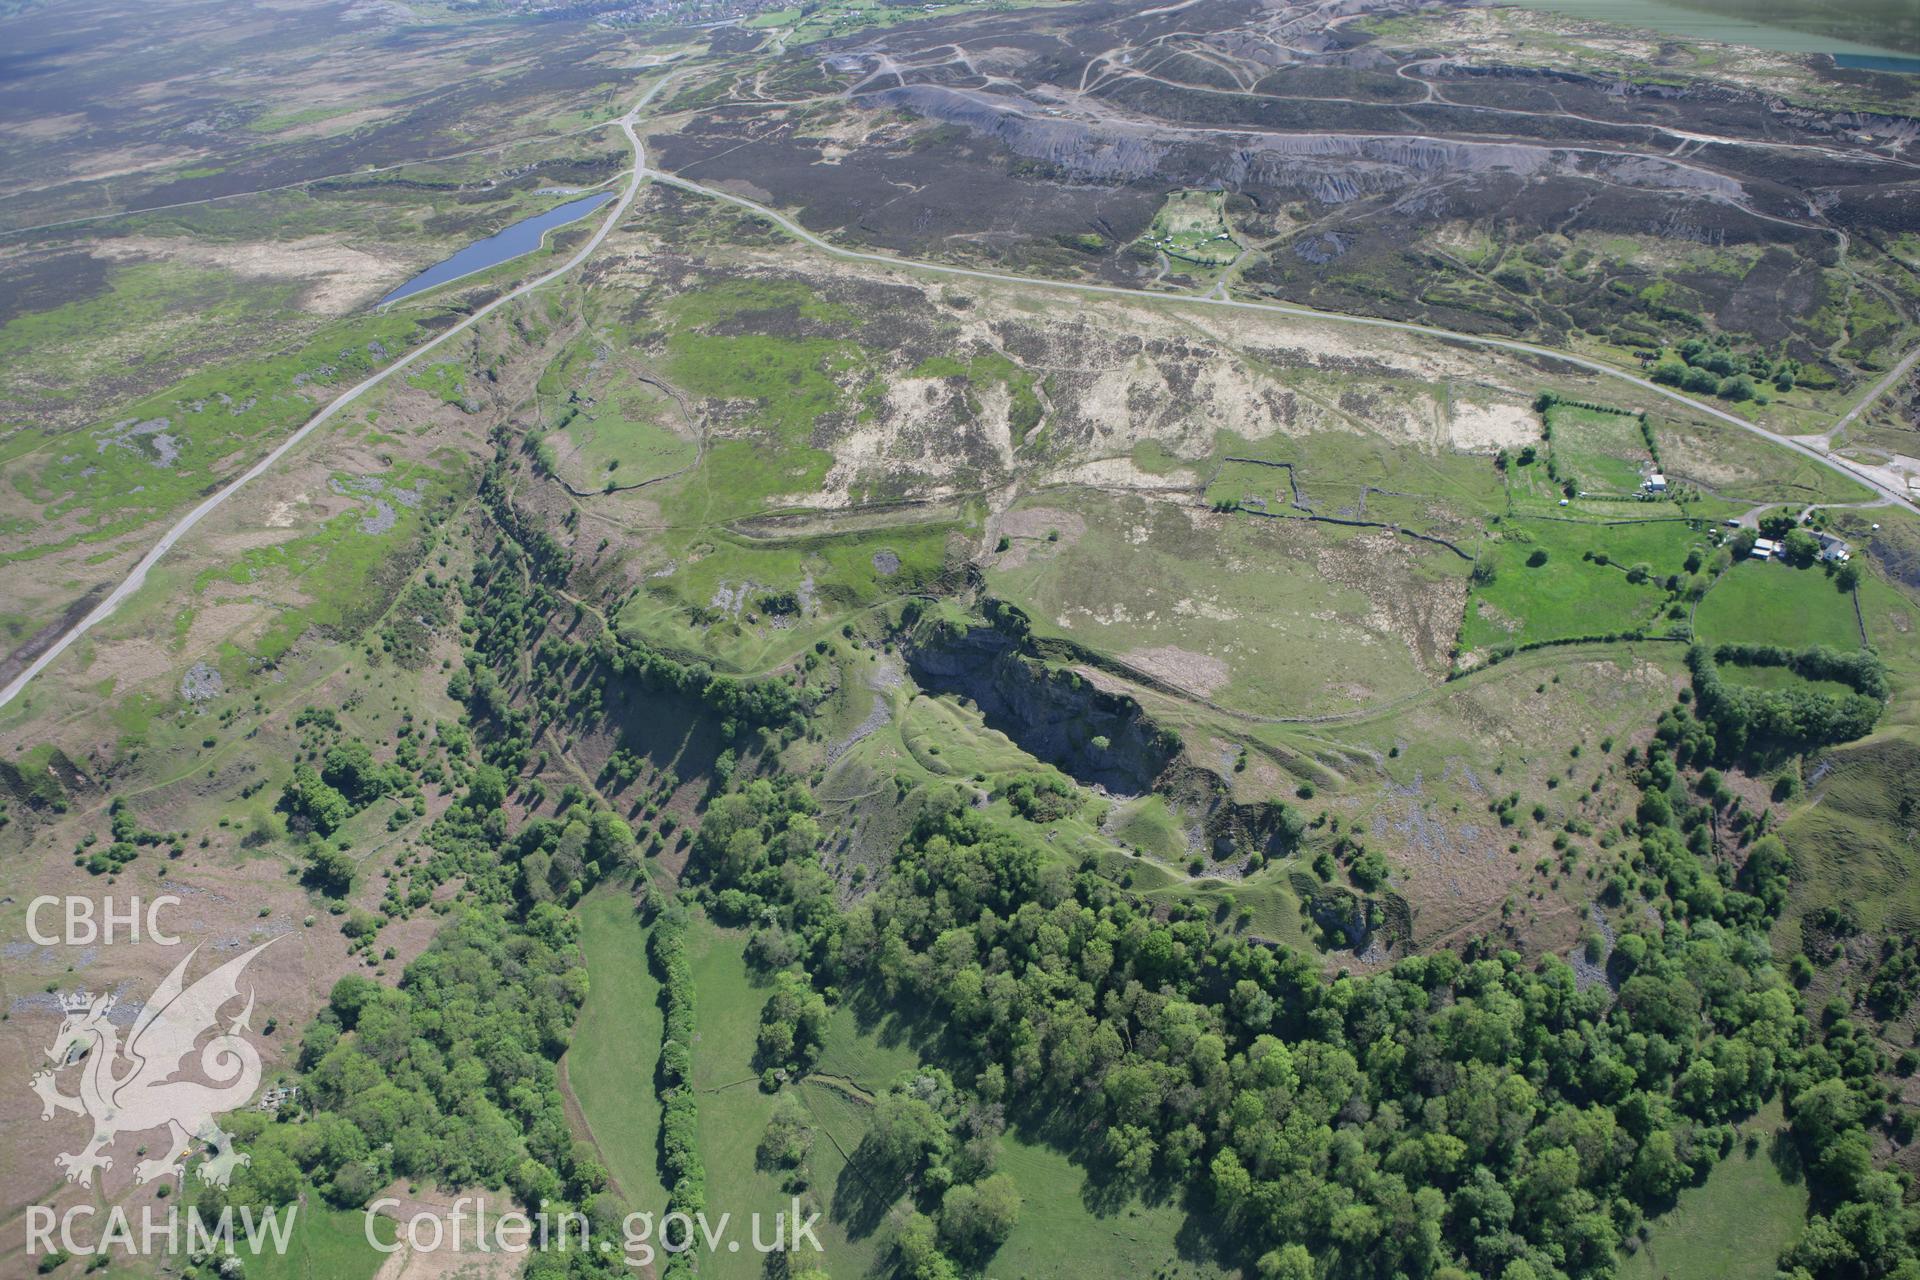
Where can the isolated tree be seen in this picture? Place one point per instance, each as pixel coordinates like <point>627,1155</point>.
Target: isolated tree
<point>350,768</point>
<point>609,841</point>
<point>488,790</point>
<point>329,870</point>
<point>904,1137</point>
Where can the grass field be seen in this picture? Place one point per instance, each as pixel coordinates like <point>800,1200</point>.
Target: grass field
<point>734,1112</point>
<point>1602,452</point>
<point>1780,678</point>
<point>615,1046</point>
<point>872,1057</point>
<point>1569,592</point>
<point>1148,824</point>
<point>1263,904</point>
<point>325,1244</point>
<point>1735,1223</point>
<point>1058,1235</point>
<point>1856,847</point>
<point>1764,602</point>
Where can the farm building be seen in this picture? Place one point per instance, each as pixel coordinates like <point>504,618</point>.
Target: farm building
<point>1656,483</point>
<point>1765,548</point>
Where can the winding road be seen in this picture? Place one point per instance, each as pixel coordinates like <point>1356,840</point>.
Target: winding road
<point>1890,493</point>
<point>185,524</point>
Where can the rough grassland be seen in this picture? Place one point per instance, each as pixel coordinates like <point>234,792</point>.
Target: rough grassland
<point>208,419</point>
<point>622,443</point>
<point>712,598</point>
<point>1272,616</point>
<point>340,572</point>
<point>782,383</point>
<point>151,313</point>
<point>615,1044</point>
<point>1853,846</point>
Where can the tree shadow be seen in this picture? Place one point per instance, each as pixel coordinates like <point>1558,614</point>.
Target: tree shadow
<point>1785,1154</point>
<point>865,1190</point>
<point>897,1021</point>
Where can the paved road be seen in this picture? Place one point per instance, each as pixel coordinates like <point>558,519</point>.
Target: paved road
<point>134,580</point>
<point>1894,494</point>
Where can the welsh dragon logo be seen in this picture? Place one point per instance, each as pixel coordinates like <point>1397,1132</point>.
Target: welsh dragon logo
<point>134,1087</point>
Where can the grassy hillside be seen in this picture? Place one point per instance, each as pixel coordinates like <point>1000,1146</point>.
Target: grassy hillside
<point>1854,846</point>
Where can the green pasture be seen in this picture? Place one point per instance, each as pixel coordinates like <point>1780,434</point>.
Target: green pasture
<point>616,1044</point>
<point>1767,602</point>
<point>1548,583</point>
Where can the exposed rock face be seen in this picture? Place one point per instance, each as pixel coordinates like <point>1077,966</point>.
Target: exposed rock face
<point>1056,715</point>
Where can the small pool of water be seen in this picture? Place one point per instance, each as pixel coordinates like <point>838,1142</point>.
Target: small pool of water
<point>1877,62</point>
<point>522,237</point>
